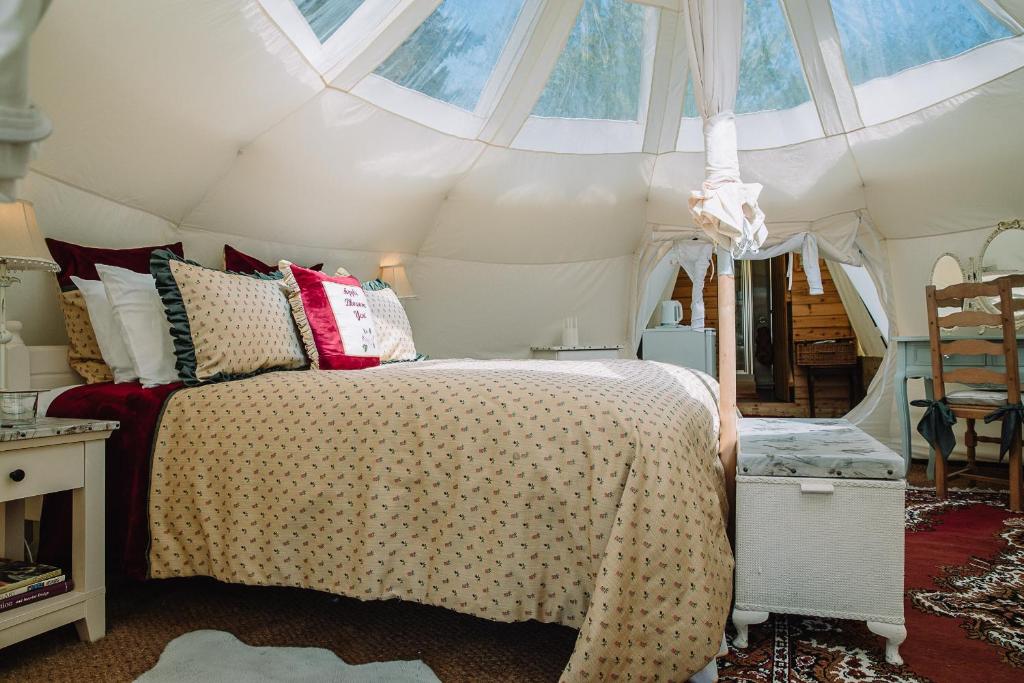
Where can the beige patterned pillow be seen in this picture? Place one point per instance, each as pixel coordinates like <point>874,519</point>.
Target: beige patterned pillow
<point>83,350</point>
<point>394,333</point>
<point>225,325</point>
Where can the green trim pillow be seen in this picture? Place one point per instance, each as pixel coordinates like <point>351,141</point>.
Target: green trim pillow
<point>225,325</point>
<point>393,331</point>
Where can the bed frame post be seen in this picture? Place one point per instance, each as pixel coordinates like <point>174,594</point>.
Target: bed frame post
<point>727,377</point>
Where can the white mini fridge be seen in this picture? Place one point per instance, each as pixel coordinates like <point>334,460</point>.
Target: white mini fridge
<point>683,346</point>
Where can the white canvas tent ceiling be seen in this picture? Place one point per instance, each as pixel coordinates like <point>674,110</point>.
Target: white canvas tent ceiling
<point>229,121</point>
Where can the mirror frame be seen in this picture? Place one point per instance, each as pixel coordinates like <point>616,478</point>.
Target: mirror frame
<point>979,267</point>
<point>959,264</point>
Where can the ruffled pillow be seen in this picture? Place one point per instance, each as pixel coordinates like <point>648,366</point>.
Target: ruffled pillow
<point>225,325</point>
<point>334,319</point>
<point>394,333</point>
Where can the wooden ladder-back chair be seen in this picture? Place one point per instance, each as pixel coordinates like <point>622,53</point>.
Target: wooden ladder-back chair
<point>976,403</point>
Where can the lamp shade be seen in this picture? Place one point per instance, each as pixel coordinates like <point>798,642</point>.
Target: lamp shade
<point>396,277</point>
<point>21,245</point>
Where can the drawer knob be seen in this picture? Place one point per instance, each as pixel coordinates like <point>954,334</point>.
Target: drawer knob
<point>17,475</point>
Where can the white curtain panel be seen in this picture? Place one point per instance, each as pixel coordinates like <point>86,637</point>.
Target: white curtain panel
<point>876,414</point>
<point>21,124</point>
<point>695,259</point>
<point>725,207</point>
<point>869,335</point>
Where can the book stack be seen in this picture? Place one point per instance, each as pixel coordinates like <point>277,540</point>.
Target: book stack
<point>22,583</point>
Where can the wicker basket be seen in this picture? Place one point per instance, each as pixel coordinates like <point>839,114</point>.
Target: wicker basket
<point>835,554</point>
<point>832,353</point>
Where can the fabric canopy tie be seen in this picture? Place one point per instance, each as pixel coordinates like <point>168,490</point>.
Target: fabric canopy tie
<point>936,426</point>
<point>726,208</point>
<point>1012,416</point>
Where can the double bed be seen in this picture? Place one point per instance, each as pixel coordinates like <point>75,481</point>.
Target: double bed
<point>589,494</point>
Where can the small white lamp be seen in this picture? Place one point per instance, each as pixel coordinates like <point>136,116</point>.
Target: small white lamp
<point>398,280</point>
<point>21,248</point>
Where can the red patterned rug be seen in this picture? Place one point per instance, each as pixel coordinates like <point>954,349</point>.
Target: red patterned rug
<point>964,608</point>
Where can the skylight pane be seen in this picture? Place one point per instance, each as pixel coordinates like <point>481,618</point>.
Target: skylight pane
<point>771,76</point>
<point>884,37</point>
<point>326,16</point>
<point>599,73</point>
<point>451,55</point>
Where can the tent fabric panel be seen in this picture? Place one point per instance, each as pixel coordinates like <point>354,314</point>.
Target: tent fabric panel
<point>949,168</point>
<point>146,122</point>
<point>802,182</point>
<point>487,310</point>
<point>526,207</point>
<point>342,174</point>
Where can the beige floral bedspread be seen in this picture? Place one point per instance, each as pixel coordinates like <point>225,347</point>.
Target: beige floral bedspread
<point>583,493</point>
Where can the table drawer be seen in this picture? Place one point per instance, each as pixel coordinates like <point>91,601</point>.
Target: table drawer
<point>39,470</point>
<point>922,355</point>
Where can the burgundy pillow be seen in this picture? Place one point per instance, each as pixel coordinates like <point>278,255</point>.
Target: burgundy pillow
<point>240,262</point>
<point>80,261</point>
<point>84,354</point>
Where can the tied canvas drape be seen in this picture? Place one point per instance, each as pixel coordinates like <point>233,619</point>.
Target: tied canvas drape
<point>21,124</point>
<point>725,207</point>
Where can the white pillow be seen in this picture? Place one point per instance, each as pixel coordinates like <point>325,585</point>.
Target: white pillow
<point>108,334</point>
<point>140,316</point>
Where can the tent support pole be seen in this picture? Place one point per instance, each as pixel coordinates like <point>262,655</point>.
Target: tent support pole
<point>727,439</point>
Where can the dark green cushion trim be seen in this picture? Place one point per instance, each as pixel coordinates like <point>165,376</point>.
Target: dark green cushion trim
<point>376,285</point>
<point>177,316</point>
<point>419,356</point>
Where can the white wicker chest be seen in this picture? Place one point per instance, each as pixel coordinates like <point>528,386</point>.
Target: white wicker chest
<point>819,526</point>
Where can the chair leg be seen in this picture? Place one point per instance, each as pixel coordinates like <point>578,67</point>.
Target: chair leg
<point>971,442</point>
<point>1016,474</point>
<point>940,475</point>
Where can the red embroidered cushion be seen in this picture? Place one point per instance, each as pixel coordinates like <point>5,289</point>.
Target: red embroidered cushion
<point>333,318</point>
<point>239,262</point>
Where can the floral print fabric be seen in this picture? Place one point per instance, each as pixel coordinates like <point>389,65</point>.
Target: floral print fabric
<point>584,493</point>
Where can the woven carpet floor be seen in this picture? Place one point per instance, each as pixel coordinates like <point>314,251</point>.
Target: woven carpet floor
<point>965,613</point>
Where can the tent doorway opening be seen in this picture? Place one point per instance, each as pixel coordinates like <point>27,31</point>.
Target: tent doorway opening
<point>762,331</point>
<point>772,320</point>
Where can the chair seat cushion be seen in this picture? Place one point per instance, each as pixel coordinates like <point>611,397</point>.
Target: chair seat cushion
<point>977,397</point>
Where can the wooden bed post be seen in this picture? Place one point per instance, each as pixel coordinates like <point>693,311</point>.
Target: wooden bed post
<point>727,377</point>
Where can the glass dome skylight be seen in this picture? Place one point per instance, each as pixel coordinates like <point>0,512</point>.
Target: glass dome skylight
<point>771,76</point>
<point>884,37</point>
<point>451,55</point>
<point>326,16</point>
<point>487,69</point>
<point>599,73</point>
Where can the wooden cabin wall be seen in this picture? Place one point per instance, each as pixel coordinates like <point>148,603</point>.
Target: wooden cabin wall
<point>812,318</point>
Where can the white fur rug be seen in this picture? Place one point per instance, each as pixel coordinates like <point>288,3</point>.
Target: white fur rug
<point>219,657</point>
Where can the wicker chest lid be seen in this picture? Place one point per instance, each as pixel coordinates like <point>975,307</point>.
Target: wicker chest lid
<point>807,447</point>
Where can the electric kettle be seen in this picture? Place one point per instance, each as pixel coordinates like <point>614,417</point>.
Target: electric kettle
<point>671,313</point>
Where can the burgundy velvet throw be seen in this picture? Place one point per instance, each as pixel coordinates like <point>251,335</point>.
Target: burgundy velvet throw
<point>127,473</point>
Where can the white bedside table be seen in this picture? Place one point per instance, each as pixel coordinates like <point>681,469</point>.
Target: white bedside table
<point>575,352</point>
<point>51,455</point>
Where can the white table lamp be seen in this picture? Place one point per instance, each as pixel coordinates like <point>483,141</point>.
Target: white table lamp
<point>21,248</point>
<point>398,280</point>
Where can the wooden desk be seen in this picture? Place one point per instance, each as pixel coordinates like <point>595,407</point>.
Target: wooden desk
<point>914,361</point>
